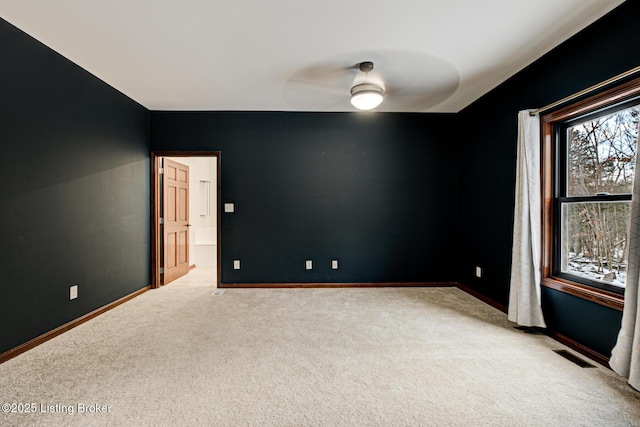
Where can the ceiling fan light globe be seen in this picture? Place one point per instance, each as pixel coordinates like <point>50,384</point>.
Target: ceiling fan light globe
<point>366,100</point>
<point>366,96</point>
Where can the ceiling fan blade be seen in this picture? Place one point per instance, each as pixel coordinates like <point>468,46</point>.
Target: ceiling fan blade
<point>320,86</point>
<point>419,98</point>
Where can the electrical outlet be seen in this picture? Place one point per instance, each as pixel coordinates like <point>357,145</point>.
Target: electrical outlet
<point>73,292</point>
<point>334,264</point>
<point>236,264</point>
<point>308,265</point>
<point>229,208</point>
<point>478,272</point>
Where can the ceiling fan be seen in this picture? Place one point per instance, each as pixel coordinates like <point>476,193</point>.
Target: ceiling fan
<point>366,96</point>
<point>407,81</point>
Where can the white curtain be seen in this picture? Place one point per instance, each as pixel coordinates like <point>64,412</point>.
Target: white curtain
<point>524,292</point>
<point>625,357</point>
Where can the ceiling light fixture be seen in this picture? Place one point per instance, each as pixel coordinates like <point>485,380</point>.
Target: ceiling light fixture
<point>366,96</point>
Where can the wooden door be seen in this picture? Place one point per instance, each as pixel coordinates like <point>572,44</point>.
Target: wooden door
<point>175,224</point>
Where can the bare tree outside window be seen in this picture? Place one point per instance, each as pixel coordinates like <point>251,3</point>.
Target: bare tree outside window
<point>600,165</point>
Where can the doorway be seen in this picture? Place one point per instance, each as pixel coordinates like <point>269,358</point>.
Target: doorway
<point>199,246</point>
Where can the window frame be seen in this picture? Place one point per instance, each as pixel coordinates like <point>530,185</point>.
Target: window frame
<point>550,124</point>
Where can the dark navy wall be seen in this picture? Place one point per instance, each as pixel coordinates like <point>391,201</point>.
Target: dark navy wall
<point>74,198</point>
<point>487,173</point>
<point>374,191</point>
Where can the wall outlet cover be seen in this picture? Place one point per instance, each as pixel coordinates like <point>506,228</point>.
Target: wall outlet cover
<point>229,207</point>
<point>334,264</point>
<point>308,264</point>
<point>478,272</point>
<point>73,292</point>
<point>236,264</point>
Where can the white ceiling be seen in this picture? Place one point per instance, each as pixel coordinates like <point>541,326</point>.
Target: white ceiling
<point>293,55</point>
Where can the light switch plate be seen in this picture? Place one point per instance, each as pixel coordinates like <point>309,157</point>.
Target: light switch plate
<point>228,207</point>
<point>478,272</point>
<point>73,292</point>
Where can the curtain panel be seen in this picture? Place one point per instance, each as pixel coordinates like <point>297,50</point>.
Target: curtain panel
<point>625,357</point>
<point>526,259</point>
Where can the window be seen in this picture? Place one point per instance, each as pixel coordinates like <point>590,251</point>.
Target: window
<point>589,151</point>
<point>596,159</point>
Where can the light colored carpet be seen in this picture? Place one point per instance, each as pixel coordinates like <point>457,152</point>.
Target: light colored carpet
<point>310,357</point>
<point>195,278</point>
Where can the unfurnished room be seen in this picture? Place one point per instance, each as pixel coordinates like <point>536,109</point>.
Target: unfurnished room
<point>337,213</point>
